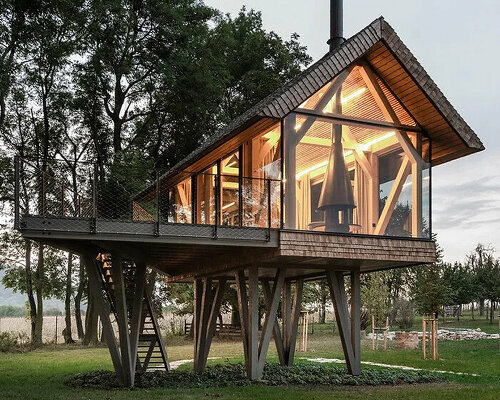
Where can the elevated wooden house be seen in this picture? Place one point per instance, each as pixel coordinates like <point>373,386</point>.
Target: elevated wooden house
<point>330,176</point>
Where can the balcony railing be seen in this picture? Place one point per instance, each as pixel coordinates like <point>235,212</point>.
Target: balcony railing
<point>83,197</point>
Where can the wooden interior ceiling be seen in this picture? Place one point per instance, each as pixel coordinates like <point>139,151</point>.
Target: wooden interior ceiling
<point>446,143</point>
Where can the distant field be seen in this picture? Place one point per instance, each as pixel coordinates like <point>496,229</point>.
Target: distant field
<point>41,374</point>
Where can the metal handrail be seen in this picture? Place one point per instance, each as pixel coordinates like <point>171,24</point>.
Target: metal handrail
<point>55,195</point>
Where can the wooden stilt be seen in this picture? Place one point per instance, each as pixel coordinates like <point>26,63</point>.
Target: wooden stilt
<point>294,323</point>
<point>122,320</point>
<point>103,310</point>
<point>256,348</point>
<point>137,307</point>
<point>208,299</point>
<point>278,338</point>
<point>350,342</point>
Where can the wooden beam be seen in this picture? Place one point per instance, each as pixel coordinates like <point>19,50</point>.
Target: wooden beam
<point>359,154</point>
<point>389,113</point>
<point>253,322</point>
<point>203,320</point>
<point>374,194</point>
<point>356,320</point>
<point>336,285</point>
<point>137,306</point>
<point>122,319</point>
<point>315,141</point>
<point>356,121</point>
<point>270,320</point>
<point>198,290</point>
<point>297,304</point>
<point>103,310</point>
<point>322,103</point>
<point>404,171</point>
<point>278,338</point>
<point>241,291</point>
<point>214,312</point>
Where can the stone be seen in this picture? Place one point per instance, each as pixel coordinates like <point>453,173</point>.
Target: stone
<point>407,340</point>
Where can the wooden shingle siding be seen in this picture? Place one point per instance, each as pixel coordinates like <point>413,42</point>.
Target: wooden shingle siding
<point>312,245</point>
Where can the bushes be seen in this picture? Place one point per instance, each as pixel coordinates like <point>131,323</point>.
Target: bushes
<point>274,375</point>
<point>11,342</point>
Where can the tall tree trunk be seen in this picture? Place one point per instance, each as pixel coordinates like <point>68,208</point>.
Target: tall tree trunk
<point>472,309</point>
<point>322,310</point>
<point>481,307</point>
<point>78,301</point>
<point>29,285</point>
<point>37,339</point>
<point>492,309</point>
<point>90,337</point>
<point>68,337</point>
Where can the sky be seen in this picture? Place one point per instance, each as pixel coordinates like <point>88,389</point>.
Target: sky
<point>457,42</point>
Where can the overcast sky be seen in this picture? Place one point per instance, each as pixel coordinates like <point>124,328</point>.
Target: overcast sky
<point>458,43</point>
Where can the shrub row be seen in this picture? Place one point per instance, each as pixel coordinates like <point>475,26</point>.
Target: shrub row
<point>274,375</point>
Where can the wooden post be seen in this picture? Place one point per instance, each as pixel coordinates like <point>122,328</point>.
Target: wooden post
<point>103,311</point>
<point>350,341</point>
<point>255,349</point>
<point>386,331</point>
<point>278,338</point>
<point>208,299</point>
<point>373,332</point>
<point>122,320</point>
<point>423,336</point>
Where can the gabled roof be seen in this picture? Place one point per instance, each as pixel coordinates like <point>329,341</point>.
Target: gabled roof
<point>379,44</point>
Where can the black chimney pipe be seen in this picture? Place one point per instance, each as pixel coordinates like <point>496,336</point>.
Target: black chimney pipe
<point>336,24</point>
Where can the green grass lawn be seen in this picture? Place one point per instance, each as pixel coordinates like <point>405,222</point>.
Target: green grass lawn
<point>41,374</point>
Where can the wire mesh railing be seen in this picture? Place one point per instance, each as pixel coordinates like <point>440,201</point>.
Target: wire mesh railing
<point>85,191</point>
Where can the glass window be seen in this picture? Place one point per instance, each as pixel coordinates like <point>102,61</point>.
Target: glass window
<point>261,179</point>
<point>205,195</point>
<point>179,203</point>
<point>230,172</point>
<point>357,98</point>
<point>355,179</point>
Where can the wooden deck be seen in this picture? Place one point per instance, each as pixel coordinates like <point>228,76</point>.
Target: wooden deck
<point>184,252</point>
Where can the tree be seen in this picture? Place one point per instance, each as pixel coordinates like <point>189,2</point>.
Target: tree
<point>375,297</point>
<point>486,276</point>
<point>460,282</point>
<point>429,288</point>
<point>317,295</point>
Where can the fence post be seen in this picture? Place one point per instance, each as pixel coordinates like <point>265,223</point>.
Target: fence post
<point>16,192</point>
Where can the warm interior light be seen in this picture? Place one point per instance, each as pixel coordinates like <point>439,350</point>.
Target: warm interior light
<point>230,164</point>
<point>319,165</point>
<point>344,100</point>
<point>228,205</point>
<point>353,95</point>
<point>366,146</point>
<point>297,127</point>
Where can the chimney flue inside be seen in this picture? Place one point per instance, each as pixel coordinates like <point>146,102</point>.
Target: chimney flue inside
<point>336,24</point>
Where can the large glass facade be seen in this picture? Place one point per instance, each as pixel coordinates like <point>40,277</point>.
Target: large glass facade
<point>355,162</point>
